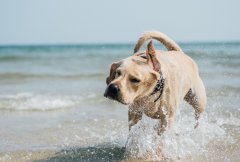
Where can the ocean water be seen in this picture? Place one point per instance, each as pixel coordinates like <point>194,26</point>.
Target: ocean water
<point>52,107</point>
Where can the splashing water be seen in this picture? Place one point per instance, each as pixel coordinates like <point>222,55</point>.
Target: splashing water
<point>179,142</point>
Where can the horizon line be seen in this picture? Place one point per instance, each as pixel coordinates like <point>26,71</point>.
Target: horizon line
<point>112,43</point>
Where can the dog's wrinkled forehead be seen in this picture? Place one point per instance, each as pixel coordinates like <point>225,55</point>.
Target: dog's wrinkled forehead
<point>134,61</point>
<point>134,65</point>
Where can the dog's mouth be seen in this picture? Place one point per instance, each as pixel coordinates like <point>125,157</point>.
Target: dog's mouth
<point>122,102</point>
<point>118,99</point>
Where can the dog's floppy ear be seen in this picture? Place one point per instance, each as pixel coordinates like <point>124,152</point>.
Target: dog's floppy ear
<point>112,74</point>
<point>151,57</point>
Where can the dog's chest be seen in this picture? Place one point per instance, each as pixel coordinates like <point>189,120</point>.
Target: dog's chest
<point>149,107</point>
<point>152,111</point>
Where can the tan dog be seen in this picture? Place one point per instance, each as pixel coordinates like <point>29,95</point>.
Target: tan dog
<point>154,82</point>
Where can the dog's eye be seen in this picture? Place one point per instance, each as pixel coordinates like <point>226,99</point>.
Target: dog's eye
<point>134,80</point>
<point>118,73</point>
<point>144,57</point>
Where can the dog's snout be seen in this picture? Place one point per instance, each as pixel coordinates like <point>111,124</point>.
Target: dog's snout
<point>112,91</point>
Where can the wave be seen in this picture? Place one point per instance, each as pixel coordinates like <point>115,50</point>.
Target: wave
<point>39,102</point>
<point>50,76</point>
<point>14,58</point>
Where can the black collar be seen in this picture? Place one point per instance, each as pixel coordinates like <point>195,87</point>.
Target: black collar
<point>159,87</point>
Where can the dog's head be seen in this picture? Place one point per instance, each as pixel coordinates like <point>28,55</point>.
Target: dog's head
<point>134,77</point>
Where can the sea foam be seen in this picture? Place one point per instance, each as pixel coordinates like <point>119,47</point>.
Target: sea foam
<point>41,102</point>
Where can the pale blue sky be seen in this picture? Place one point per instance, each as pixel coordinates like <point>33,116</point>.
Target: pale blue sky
<point>110,21</point>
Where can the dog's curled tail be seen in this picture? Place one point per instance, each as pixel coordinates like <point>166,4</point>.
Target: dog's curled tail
<point>164,39</point>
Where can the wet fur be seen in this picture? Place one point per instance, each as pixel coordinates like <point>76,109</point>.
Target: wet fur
<point>182,82</point>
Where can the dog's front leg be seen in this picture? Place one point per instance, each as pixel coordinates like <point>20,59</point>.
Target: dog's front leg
<point>163,125</point>
<point>133,118</point>
<point>167,118</point>
<point>164,116</point>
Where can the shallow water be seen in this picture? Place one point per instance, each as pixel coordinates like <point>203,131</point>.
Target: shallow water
<point>52,107</point>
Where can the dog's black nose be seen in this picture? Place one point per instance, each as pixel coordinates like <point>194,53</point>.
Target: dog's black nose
<point>112,91</point>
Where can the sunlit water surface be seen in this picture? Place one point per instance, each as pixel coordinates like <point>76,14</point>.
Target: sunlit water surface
<point>52,107</point>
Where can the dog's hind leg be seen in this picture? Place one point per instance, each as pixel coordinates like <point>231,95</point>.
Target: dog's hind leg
<point>196,97</point>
